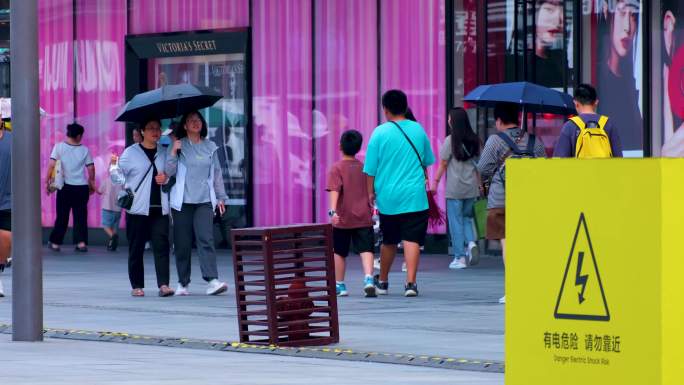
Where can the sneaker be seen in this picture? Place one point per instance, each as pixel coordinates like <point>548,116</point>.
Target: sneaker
<point>182,290</point>
<point>403,267</point>
<point>2,290</point>
<point>381,288</point>
<point>341,289</point>
<point>216,287</point>
<point>376,263</point>
<point>457,264</point>
<point>473,254</point>
<point>369,287</point>
<point>411,289</point>
<point>502,300</point>
<point>114,242</point>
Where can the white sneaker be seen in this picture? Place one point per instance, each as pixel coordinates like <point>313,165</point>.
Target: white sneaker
<point>181,291</point>
<point>216,287</point>
<point>2,290</point>
<point>403,267</point>
<point>473,254</point>
<point>457,264</point>
<point>502,300</point>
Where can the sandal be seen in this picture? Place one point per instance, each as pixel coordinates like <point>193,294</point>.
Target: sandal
<point>137,293</point>
<point>165,291</point>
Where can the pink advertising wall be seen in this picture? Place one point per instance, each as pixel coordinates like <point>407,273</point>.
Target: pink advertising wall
<point>157,16</point>
<point>314,75</point>
<point>414,60</point>
<point>99,84</point>
<point>55,67</point>
<point>282,105</point>
<point>346,94</point>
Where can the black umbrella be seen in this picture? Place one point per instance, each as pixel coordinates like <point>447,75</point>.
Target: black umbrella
<point>167,102</point>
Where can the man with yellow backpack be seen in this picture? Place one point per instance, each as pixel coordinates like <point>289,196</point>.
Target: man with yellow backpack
<point>588,135</point>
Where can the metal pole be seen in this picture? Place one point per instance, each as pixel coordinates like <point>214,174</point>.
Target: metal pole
<point>27,270</point>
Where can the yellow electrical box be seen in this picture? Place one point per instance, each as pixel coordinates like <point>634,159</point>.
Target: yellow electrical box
<point>595,271</point>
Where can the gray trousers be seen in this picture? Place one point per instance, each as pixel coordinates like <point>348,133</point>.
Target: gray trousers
<point>197,220</point>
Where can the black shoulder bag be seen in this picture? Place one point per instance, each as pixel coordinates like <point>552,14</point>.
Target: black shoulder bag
<point>125,201</point>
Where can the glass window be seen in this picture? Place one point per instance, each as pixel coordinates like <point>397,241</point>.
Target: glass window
<point>529,40</point>
<point>465,49</point>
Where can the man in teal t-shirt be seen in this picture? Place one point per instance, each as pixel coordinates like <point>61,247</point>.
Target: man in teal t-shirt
<point>396,182</point>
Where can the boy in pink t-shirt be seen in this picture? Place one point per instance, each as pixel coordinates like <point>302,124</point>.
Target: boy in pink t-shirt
<point>351,213</point>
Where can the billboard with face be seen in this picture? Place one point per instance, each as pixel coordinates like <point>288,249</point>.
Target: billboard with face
<point>619,70</point>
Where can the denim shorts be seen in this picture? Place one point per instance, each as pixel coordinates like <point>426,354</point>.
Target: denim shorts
<point>111,218</point>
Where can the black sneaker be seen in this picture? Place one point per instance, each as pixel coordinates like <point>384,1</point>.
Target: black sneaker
<point>114,242</point>
<point>411,289</point>
<point>381,288</point>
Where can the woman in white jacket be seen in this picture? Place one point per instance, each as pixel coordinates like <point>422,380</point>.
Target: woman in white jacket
<point>198,191</point>
<point>143,166</point>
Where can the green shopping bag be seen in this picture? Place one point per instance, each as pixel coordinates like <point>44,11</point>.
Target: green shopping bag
<point>480,217</point>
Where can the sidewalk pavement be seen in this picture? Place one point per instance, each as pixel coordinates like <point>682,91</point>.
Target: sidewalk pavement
<point>456,314</point>
<point>75,362</point>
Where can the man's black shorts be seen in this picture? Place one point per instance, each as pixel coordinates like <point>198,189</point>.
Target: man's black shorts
<point>6,220</point>
<point>411,227</point>
<point>362,238</point>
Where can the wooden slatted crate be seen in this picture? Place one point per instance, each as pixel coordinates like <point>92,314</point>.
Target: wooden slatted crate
<point>285,285</point>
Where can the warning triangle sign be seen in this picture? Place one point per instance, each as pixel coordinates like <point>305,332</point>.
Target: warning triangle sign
<point>581,295</point>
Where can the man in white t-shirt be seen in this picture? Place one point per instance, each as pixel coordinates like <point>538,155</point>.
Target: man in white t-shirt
<point>73,196</point>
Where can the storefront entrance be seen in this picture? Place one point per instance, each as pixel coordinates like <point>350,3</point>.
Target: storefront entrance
<point>218,60</point>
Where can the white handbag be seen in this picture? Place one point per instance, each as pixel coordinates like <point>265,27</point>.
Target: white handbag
<point>58,177</point>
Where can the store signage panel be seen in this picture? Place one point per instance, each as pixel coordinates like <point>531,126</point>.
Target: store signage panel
<point>188,44</point>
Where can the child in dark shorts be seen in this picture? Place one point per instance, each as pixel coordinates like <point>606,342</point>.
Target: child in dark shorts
<point>351,213</point>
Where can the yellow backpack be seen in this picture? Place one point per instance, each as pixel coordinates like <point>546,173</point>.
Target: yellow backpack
<point>592,142</point>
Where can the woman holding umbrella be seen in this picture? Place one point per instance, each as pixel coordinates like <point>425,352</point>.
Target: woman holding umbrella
<point>198,191</point>
<point>142,165</point>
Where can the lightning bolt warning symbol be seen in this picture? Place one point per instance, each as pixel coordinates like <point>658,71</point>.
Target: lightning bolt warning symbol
<point>581,279</point>
<point>582,298</point>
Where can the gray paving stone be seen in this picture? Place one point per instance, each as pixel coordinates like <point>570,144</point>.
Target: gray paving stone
<point>456,314</point>
<point>66,362</point>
